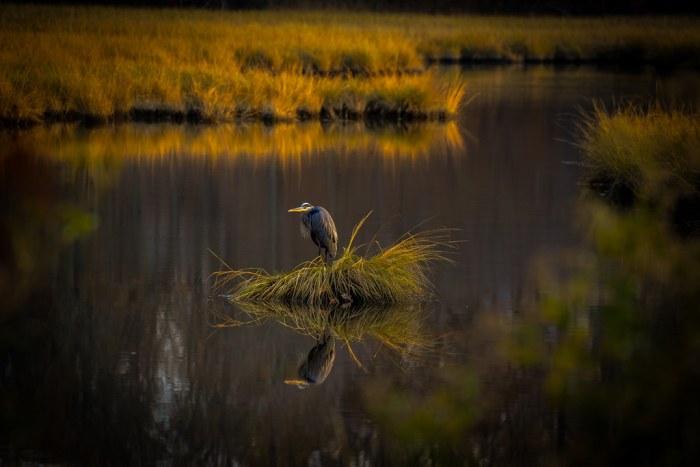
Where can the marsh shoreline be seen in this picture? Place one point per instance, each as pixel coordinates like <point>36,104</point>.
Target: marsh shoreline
<point>374,115</point>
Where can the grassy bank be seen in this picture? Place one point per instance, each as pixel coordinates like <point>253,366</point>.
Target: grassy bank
<point>69,63</point>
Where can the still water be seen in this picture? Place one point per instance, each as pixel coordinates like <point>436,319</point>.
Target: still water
<point>109,349</point>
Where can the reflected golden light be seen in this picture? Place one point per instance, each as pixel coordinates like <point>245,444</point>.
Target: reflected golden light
<point>287,142</point>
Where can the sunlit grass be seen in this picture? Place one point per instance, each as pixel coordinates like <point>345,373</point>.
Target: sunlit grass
<point>395,275</point>
<point>103,63</point>
<point>69,63</point>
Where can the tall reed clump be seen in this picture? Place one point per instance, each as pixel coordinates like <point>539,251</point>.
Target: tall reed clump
<point>396,275</point>
<point>647,158</point>
<point>650,151</point>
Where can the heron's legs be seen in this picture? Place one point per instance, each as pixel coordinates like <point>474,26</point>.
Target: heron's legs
<point>323,253</point>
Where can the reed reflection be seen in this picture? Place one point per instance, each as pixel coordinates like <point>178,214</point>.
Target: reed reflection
<point>288,142</point>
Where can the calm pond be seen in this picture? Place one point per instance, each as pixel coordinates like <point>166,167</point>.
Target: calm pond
<point>109,350</point>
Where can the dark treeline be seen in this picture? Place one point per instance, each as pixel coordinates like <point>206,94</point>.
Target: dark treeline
<point>551,7</point>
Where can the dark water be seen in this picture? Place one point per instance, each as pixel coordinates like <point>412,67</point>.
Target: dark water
<point>108,350</point>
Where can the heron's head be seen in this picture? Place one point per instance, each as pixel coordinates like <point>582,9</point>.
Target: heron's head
<point>303,208</point>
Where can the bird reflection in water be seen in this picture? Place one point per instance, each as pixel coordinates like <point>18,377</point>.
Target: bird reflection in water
<point>317,365</point>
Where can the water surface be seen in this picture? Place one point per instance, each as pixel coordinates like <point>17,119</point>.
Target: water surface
<point>109,352</point>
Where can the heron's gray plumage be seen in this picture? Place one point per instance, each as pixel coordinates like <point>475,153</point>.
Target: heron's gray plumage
<point>317,223</point>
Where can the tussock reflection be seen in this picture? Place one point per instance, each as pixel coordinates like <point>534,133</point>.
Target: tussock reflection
<point>398,329</point>
<point>289,142</point>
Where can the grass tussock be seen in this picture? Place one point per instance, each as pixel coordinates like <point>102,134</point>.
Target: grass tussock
<point>395,275</point>
<point>650,151</point>
<point>649,158</point>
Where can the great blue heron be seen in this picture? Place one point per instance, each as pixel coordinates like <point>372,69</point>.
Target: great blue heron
<point>318,364</point>
<point>317,223</point>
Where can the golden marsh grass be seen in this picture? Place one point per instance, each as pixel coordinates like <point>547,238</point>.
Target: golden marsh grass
<point>91,63</point>
<point>104,63</point>
<point>626,40</point>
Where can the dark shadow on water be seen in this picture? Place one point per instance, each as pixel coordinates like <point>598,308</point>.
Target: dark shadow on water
<point>42,213</point>
<point>599,369</point>
<point>622,359</point>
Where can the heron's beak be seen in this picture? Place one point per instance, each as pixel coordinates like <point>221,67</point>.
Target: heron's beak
<point>299,209</point>
<point>300,383</point>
